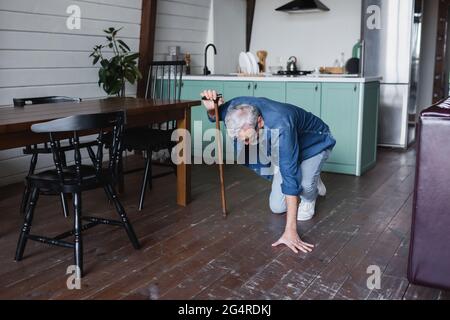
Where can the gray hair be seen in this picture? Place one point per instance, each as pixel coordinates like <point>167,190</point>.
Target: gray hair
<point>239,117</point>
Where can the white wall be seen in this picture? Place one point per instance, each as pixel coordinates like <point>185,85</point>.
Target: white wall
<point>317,39</point>
<point>428,53</point>
<point>39,56</point>
<point>229,34</point>
<point>182,23</point>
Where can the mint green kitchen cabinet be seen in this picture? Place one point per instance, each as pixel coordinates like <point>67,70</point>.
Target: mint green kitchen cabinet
<point>270,90</point>
<point>351,111</point>
<point>306,95</point>
<point>340,109</point>
<point>234,89</point>
<point>369,128</point>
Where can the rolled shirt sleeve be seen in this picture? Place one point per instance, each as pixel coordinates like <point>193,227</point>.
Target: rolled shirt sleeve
<point>289,162</point>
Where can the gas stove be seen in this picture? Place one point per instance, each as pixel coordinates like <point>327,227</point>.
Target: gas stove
<point>298,73</point>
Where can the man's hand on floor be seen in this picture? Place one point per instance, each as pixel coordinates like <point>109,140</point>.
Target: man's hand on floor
<point>293,241</point>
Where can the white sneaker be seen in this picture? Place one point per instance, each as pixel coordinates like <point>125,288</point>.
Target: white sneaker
<point>321,188</point>
<point>306,210</point>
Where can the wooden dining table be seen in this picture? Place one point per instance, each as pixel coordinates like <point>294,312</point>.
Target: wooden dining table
<point>16,122</point>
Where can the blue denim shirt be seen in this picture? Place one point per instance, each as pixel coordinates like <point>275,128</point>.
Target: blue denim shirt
<point>301,136</point>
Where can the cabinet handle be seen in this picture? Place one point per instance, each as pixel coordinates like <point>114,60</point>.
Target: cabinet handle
<point>182,84</point>
<point>256,86</point>
<point>316,88</point>
<point>249,86</point>
<point>355,88</point>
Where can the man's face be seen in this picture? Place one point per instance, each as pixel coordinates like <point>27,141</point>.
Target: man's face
<point>249,135</point>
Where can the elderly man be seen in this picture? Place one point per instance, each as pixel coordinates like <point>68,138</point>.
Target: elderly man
<point>303,143</point>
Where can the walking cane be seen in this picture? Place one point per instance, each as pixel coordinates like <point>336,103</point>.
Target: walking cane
<point>220,154</point>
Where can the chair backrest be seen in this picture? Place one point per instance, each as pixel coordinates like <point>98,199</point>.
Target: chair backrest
<point>20,102</point>
<point>164,81</point>
<point>100,122</point>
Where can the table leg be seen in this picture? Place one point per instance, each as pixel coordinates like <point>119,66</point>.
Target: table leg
<point>184,169</point>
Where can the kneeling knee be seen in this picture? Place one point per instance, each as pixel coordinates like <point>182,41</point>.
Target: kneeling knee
<point>278,208</point>
<point>309,188</point>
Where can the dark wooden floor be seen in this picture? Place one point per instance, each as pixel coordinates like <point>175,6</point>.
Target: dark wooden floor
<point>192,253</point>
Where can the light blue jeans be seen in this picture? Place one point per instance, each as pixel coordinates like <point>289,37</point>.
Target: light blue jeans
<point>311,170</point>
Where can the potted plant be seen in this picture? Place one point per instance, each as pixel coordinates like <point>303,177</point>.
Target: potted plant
<point>119,68</point>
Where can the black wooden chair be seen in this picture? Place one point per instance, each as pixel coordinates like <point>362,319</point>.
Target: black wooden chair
<point>21,102</point>
<point>164,82</point>
<point>77,178</point>
<point>35,150</point>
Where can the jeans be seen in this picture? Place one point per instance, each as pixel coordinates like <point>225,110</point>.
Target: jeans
<point>311,170</point>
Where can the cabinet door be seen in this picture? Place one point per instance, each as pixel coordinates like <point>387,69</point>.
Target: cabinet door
<point>234,89</point>
<point>306,95</point>
<point>191,90</point>
<point>340,110</point>
<point>270,90</point>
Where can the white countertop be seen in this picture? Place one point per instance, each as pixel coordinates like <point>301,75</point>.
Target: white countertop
<point>309,78</point>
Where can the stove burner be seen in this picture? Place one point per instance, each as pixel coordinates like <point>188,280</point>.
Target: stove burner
<point>293,73</point>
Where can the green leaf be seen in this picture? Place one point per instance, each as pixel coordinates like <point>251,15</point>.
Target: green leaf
<point>123,44</point>
<point>132,57</point>
<point>104,63</point>
<point>116,31</point>
<point>130,76</point>
<point>95,60</point>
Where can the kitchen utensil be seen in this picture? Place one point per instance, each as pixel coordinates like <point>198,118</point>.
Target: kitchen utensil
<point>357,49</point>
<point>352,66</point>
<point>220,154</point>
<point>262,56</point>
<point>292,64</point>
<point>244,63</point>
<point>255,68</point>
<point>187,59</point>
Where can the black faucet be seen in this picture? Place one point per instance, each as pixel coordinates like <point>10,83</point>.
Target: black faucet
<point>205,69</point>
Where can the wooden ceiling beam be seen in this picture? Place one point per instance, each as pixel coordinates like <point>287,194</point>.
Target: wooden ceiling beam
<point>147,42</point>
<point>249,23</point>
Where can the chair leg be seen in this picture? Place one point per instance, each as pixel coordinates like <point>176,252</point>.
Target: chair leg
<point>62,156</point>
<point>78,240</point>
<point>26,191</point>
<point>27,224</point>
<point>147,173</point>
<point>120,177</point>
<point>150,171</point>
<point>25,199</point>
<point>64,204</point>
<point>123,217</point>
